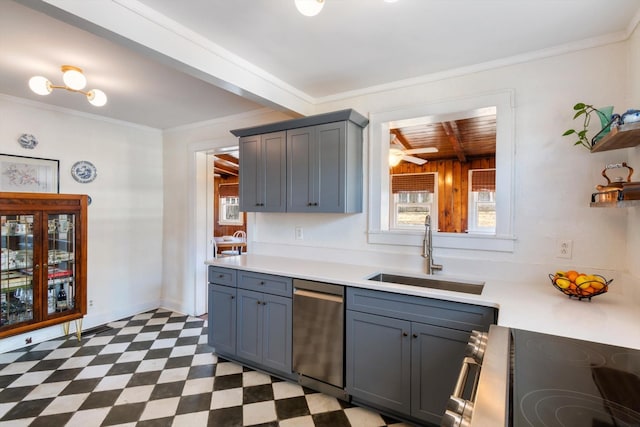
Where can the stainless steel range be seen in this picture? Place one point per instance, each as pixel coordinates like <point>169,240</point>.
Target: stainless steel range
<point>531,379</point>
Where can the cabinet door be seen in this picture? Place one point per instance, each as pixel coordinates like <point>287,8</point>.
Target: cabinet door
<point>250,170</point>
<point>302,170</point>
<point>19,292</point>
<point>249,326</point>
<point>263,172</point>
<point>436,357</point>
<point>222,318</point>
<point>61,266</point>
<point>331,165</point>
<point>378,365</point>
<point>317,168</point>
<point>277,330</point>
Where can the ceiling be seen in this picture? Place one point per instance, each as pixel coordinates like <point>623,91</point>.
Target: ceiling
<point>461,139</point>
<point>351,47</point>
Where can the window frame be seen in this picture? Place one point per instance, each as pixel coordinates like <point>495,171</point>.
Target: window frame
<point>222,210</point>
<point>472,208</point>
<point>378,219</point>
<point>393,206</point>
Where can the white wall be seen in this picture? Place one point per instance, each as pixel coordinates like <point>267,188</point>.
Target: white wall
<point>633,101</point>
<point>554,179</point>
<point>184,232</point>
<point>125,217</point>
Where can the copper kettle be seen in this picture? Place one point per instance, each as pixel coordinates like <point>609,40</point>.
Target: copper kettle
<point>611,191</point>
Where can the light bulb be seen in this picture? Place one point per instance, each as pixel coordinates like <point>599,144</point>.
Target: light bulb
<point>73,77</point>
<point>40,85</point>
<point>97,97</point>
<point>395,156</point>
<point>309,7</point>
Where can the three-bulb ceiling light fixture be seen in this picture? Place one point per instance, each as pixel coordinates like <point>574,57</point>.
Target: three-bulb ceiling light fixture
<point>313,7</point>
<point>74,81</point>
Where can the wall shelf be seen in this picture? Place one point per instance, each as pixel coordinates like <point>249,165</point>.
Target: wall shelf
<point>615,204</point>
<point>623,136</point>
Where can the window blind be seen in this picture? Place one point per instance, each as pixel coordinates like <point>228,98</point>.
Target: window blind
<point>228,190</point>
<point>483,180</point>
<point>412,182</point>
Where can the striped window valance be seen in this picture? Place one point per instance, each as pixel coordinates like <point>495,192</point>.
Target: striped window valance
<point>412,182</point>
<point>228,190</point>
<point>483,180</point>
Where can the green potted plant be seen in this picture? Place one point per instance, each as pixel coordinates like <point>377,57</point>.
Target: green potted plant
<point>585,111</point>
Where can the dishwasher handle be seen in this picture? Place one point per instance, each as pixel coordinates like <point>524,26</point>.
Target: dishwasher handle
<point>318,295</point>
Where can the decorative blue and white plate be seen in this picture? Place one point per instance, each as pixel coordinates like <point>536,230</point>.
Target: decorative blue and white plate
<point>28,141</point>
<point>83,171</point>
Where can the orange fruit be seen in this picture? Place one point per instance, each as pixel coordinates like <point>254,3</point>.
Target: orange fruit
<point>587,291</point>
<point>571,275</point>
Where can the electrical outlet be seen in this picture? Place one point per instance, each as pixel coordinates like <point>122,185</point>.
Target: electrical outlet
<point>564,248</point>
<point>90,303</point>
<point>299,235</point>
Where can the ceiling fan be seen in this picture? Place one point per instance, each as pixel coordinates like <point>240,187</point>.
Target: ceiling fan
<point>398,153</point>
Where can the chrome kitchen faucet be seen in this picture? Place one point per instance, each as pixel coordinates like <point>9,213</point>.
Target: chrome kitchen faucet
<point>427,248</point>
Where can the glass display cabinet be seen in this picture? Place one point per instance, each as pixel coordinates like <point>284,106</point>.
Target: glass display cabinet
<point>43,263</point>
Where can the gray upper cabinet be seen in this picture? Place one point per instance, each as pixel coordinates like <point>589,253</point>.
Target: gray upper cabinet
<point>324,168</point>
<point>313,164</point>
<point>263,172</point>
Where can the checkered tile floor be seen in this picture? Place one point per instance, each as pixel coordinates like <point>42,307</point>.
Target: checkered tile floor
<point>155,369</point>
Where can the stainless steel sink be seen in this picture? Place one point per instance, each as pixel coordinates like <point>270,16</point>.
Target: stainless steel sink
<point>469,287</point>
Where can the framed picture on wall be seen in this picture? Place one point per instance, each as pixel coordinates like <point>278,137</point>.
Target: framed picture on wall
<point>29,174</point>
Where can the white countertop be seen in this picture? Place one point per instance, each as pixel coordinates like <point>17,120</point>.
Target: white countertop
<point>530,303</point>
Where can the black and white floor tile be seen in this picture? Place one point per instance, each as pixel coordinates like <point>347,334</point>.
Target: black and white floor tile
<point>156,369</point>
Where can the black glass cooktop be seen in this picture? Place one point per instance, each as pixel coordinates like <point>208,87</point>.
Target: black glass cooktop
<point>562,382</point>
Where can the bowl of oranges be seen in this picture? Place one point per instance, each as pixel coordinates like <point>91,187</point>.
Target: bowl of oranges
<point>579,285</point>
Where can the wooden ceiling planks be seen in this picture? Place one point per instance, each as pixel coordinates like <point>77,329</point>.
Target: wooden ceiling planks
<point>460,139</point>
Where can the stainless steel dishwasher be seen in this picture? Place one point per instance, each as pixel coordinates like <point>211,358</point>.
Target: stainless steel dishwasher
<point>318,336</point>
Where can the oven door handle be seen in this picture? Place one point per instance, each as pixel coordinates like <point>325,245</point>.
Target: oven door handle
<point>462,377</point>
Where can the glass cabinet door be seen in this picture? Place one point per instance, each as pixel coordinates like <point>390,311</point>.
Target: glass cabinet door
<point>61,266</point>
<point>16,269</point>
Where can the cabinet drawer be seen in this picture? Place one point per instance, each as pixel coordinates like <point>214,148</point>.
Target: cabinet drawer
<point>222,276</point>
<point>455,315</point>
<point>276,285</point>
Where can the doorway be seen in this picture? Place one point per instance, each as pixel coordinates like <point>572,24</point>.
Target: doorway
<point>202,196</point>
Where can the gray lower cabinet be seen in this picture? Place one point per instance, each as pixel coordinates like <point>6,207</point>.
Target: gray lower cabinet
<point>436,357</point>
<point>264,329</point>
<point>250,318</point>
<point>222,309</point>
<point>222,318</point>
<point>378,364</point>
<point>404,353</point>
<point>264,320</point>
